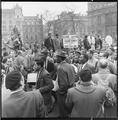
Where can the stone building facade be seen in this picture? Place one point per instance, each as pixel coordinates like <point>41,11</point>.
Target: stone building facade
<point>30,27</point>
<point>69,23</point>
<point>10,18</point>
<point>102,18</point>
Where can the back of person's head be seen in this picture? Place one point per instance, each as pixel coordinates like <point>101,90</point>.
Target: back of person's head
<point>85,36</point>
<point>106,55</point>
<point>39,59</point>
<point>91,52</point>
<point>13,80</point>
<point>103,63</point>
<point>5,54</point>
<point>4,60</point>
<point>85,75</point>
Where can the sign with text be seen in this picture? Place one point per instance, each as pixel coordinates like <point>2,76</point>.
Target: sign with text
<point>70,41</point>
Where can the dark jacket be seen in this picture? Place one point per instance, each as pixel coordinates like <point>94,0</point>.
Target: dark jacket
<point>86,44</point>
<point>50,67</point>
<point>23,104</point>
<point>44,84</point>
<point>48,43</point>
<point>66,77</point>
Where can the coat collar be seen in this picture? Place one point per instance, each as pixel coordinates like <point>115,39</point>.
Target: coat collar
<point>63,62</point>
<point>17,93</point>
<point>103,71</point>
<point>86,87</point>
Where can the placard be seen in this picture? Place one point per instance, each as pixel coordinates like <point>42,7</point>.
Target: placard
<point>32,77</point>
<point>73,41</point>
<point>66,41</point>
<point>70,41</point>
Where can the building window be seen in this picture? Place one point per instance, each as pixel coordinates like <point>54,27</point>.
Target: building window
<point>108,19</point>
<point>10,22</point>
<point>114,18</point>
<point>36,37</point>
<point>99,20</point>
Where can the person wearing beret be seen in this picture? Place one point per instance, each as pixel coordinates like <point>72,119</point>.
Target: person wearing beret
<point>66,79</point>
<point>21,104</point>
<point>44,82</point>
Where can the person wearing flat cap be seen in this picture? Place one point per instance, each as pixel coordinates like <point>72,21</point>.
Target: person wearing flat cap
<point>21,104</point>
<point>66,77</point>
<point>106,79</point>
<point>44,82</point>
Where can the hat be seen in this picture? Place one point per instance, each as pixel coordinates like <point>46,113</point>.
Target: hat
<point>61,53</point>
<point>12,79</point>
<point>78,51</point>
<point>39,57</point>
<point>44,51</point>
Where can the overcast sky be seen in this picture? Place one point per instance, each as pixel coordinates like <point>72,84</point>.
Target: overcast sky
<point>54,8</point>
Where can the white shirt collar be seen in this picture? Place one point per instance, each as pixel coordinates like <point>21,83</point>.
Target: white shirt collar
<point>84,65</point>
<point>20,89</point>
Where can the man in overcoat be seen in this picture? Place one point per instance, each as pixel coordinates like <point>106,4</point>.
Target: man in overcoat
<point>44,82</point>
<point>86,99</point>
<point>107,79</point>
<point>21,104</point>
<point>66,79</point>
<point>48,43</point>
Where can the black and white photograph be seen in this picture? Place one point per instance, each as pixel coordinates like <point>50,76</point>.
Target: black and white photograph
<point>59,59</point>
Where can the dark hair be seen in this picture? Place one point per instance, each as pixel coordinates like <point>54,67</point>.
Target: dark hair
<point>103,66</point>
<point>85,75</point>
<point>4,60</point>
<point>86,36</point>
<point>91,52</point>
<point>41,63</point>
<point>63,58</point>
<point>106,54</point>
<point>13,79</point>
<point>112,49</point>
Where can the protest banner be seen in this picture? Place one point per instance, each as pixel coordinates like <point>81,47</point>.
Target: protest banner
<point>70,41</point>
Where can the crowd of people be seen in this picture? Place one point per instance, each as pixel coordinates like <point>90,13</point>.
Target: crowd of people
<point>81,81</point>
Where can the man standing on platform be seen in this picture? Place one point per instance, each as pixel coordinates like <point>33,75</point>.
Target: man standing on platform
<point>48,43</point>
